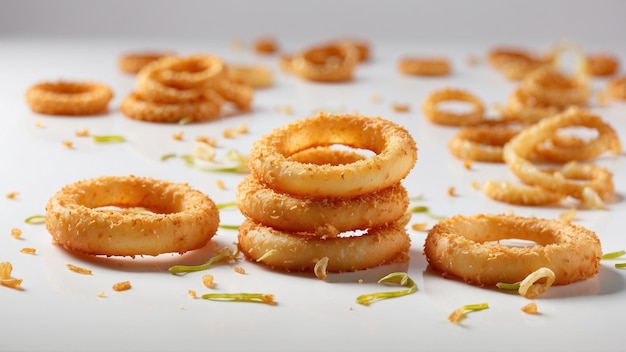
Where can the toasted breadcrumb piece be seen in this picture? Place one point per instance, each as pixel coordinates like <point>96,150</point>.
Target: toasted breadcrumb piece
<point>530,308</point>
<point>13,195</point>
<point>419,226</point>
<point>178,136</point>
<point>28,250</point>
<point>400,107</point>
<point>5,276</point>
<point>208,281</point>
<point>68,144</point>
<point>16,233</point>
<point>192,293</point>
<point>240,270</point>
<point>101,294</point>
<point>467,163</point>
<point>122,286</point>
<point>451,191</point>
<point>39,123</point>
<point>568,216</point>
<point>82,133</point>
<point>212,141</point>
<point>78,269</point>
<point>221,184</point>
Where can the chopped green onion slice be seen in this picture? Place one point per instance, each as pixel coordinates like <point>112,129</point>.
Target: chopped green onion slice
<point>613,255</point>
<point>459,313</point>
<point>229,227</point>
<point>168,156</point>
<point>425,210</point>
<point>267,254</point>
<point>397,278</point>
<point>620,265</point>
<point>505,286</point>
<point>417,198</point>
<point>475,307</point>
<point>109,138</point>
<point>35,219</point>
<point>241,297</point>
<point>223,255</point>
<point>226,205</point>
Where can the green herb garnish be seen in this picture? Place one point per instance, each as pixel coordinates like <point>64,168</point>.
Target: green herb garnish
<point>397,278</point>
<point>223,255</point>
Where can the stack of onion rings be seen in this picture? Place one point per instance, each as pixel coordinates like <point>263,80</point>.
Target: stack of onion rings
<point>69,98</point>
<point>100,217</point>
<point>468,247</point>
<point>306,200</point>
<point>192,88</point>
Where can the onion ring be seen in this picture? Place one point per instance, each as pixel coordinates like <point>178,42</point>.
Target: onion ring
<point>517,63</point>
<point>423,66</point>
<point>512,193</point>
<point>134,62</point>
<point>518,150</point>
<point>434,114</point>
<point>69,98</point>
<point>556,89</point>
<point>284,212</point>
<point>297,252</point>
<point>394,148</point>
<point>483,142</point>
<point>207,107</point>
<point>461,246</point>
<point>255,76</point>
<point>616,88</point>
<point>602,65</point>
<point>180,218</point>
<point>333,62</point>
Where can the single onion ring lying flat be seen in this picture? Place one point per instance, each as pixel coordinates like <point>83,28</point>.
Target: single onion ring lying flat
<point>177,217</point>
<point>424,66</point>
<point>297,252</point>
<point>69,98</point>
<point>430,108</point>
<point>395,154</point>
<point>284,212</point>
<point>462,246</point>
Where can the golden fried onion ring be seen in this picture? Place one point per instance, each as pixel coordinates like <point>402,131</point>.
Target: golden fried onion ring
<point>179,218</point>
<point>300,252</point>
<point>135,61</point>
<point>284,212</point>
<point>430,108</point>
<point>69,98</point>
<point>205,108</point>
<point>463,246</point>
<point>517,152</point>
<point>331,62</point>
<point>424,66</point>
<point>394,148</point>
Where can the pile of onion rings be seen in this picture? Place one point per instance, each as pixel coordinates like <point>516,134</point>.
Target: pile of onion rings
<point>130,216</point>
<point>69,98</point>
<point>591,185</point>
<point>470,248</point>
<point>307,198</point>
<point>192,88</point>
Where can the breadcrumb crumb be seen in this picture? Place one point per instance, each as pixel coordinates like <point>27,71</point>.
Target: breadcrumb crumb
<point>451,191</point>
<point>13,195</point>
<point>78,269</point>
<point>419,226</point>
<point>240,270</point>
<point>400,107</point>
<point>208,281</point>
<point>122,286</point>
<point>28,250</point>
<point>221,184</point>
<point>467,163</point>
<point>178,136</point>
<point>192,293</point>
<point>530,308</point>
<point>212,141</point>
<point>82,133</point>
<point>16,233</point>
<point>39,123</point>
<point>68,144</point>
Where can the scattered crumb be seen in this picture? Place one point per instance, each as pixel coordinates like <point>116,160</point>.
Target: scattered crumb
<point>208,140</point>
<point>360,281</point>
<point>122,286</point>
<point>284,109</point>
<point>530,308</point>
<point>13,195</point>
<point>240,270</point>
<point>419,226</point>
<point>39,123</point>
<point>208,281</point>
<point>376,98</point>
<point>192,293</point>
<point>178,136</point>
<point>568,216</point>
<point>82,133</point>
<point>16,233</point>
<point>28,250</point>
<point>79,270</point>
<point>451,191</point>
<point>400,107</point>
<point>101,294</point>
<point>221,184</point>
<point>475,185</point>
<point>467,163</point>
<point>68,144</point>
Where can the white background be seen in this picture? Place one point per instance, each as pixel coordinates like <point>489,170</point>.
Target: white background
<point>59,310</point>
